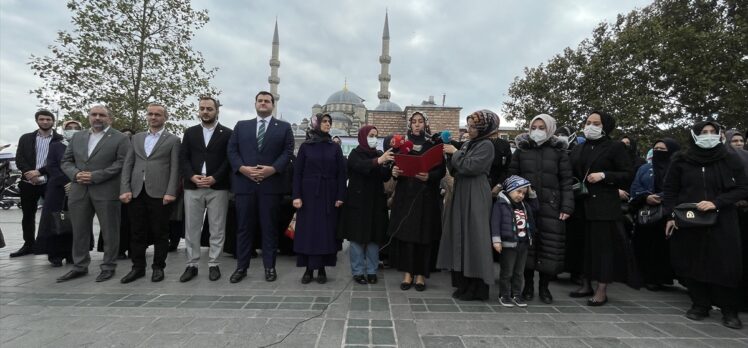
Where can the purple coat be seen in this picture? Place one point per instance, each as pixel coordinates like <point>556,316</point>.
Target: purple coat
<point>319,180</point>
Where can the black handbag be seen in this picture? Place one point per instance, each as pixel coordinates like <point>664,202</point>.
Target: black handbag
<point>649,214</point>
<point>686,216</point>
<point>60,223</point>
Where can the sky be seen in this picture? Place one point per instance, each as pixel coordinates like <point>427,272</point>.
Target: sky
<point>469,50</point>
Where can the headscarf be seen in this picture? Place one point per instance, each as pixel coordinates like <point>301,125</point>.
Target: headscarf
<point>363,144</point>
<point>587,154</point>
<point>633,150</point>
<point>701,156</point>
<point>550,126</point>
<point>742,153</point>
<point>661,161</point>
<point>609,123</point>
<point>425,134</point>
<point>486,122</point>
<point>66,123</point>
<point>315,133</point>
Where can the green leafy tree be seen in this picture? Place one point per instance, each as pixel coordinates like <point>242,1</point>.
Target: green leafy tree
<point>126,53</point>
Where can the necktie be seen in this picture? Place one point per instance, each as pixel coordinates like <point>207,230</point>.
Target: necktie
<point>261,135</point>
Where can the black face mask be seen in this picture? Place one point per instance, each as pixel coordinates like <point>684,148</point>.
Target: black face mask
<point>660,156</point>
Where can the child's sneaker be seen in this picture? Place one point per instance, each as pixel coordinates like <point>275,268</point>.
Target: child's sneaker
<point>506,301</point>
<point>518,301</point>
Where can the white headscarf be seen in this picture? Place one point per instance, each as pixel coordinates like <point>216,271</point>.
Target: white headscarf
<point>550,126</point>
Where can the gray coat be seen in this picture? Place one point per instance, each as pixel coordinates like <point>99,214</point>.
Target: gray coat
<point>105,164</point>
<point>160,170</point>
<point>466,237</point>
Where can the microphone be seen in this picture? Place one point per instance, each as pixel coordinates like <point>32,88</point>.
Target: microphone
<point>446,136</point>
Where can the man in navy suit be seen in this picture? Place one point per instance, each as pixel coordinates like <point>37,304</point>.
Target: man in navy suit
<point>259,151</point>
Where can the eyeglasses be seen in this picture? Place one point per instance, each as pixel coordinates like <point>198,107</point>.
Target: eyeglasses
<point>95,114</point>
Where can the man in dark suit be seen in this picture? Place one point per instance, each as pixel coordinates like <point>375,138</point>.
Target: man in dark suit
<point>205,167</point>
<point>259,151</point>
<point>93,162</point>
<point>31,159</point>
<point>150,179</point>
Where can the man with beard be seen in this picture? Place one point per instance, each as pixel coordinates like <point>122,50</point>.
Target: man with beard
<point>259,151</point>
<point>93,162</point>
<point>204,165</point>
<point>31,159</point>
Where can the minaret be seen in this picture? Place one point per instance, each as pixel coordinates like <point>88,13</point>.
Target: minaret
<point>384,59</point>
<point>274,64</point>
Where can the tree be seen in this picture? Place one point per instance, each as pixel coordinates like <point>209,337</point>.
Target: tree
<point>658,70</point>
<point>126,53</point>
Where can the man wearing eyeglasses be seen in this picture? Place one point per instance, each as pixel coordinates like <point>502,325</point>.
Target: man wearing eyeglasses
<point>93,161</point>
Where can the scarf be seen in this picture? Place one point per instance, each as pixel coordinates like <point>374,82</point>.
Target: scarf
<point>363,144</point>
<point>550,126</point>
<point>701,156</point>
<point>661,162</point>
<point>315,134</point>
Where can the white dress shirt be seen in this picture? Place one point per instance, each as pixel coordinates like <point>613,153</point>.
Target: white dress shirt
<point>94,139</point>
<point>150,141</point>
<point>267,120</point>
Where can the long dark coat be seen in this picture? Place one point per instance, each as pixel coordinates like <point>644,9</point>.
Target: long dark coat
<point>548,168</point>
<point>364,217</point>
<point>712,254</point>
<point>54,200</point>
<point>319,180</point>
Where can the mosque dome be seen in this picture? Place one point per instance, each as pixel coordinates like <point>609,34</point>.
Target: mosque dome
<point>345,96</point>
<point>340,120</point>
<point>388,106</point>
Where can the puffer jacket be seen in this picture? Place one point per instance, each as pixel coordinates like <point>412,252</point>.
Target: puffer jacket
<point>503,225</point>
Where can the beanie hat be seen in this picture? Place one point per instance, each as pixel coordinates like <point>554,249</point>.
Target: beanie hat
<point>514,183</point>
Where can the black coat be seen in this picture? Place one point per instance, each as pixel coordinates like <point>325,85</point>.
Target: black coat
<point>501,161</point>
<point>26,152</point>
<point>713,254</point>
<point>364,218</point>
<point>610,157</point>
<point>194,152</point>
<point>548,168</point>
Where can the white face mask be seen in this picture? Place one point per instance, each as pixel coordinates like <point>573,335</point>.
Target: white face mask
<point>372,142</point>
<point>538,136</point>
<point>706,141</point>
<point>68,133</point>
<point>593,132</point>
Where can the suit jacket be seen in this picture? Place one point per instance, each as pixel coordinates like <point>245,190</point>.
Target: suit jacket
<point>276,151</point>
<point>159,171</point>
<point>26,152</point>
<point>194,152</point>
<point>105,164</point>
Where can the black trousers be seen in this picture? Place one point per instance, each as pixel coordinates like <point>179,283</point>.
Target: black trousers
<point>149,220</point>
<point>704,295</point>
<point>30,195</point>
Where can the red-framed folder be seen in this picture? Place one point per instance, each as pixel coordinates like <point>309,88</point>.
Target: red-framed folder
<point>414,164</point>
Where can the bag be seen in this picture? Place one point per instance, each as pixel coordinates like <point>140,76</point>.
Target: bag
<point>580,189</point>
<point>686,215</point>
<point>60,223</point>
<point>649,214</point>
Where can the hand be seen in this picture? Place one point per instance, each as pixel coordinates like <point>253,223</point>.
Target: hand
<point>297,203</point>
<point>396,171</point>
<point>338,204</point>
<point>422,176</point>
<point>623,195</point>
<point>386,157</point>
<point>265,172</point>
<point>68,187</point>
<point>198,179</point>
<point>497,247</point>
<point>83,177</point>
<point>31,174</point>
<point>594,178</point>
<point>125,197</point>
<point>669,228</point>
<point>250,172</point>
<point>449,149</point>
<point>35,180</point>
<point>209,181</point>
<point>168,199</point>
<point>654,200</point>
<point>705,206</point>
<point>563,216</point>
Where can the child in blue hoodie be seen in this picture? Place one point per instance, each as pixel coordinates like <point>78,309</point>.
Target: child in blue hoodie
<point>512,226</point>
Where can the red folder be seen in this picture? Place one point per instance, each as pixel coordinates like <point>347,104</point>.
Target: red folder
<point>414,164</point>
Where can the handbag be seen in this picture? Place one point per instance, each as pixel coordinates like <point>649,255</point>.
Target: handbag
<point>649,214</point>
<point>580,188</point>
<point>686,215</point>
<point>60,223</point>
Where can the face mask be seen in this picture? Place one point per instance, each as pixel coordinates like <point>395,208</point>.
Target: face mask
<point>593,132</point>
<point>538,136</point>
<point>706,141</point>
<point>372,142</point>
<point>68,133</point>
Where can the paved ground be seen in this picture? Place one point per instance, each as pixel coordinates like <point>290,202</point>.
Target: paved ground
<point>36,311</point>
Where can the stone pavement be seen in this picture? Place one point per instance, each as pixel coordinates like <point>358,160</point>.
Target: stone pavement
<point>35,311</point>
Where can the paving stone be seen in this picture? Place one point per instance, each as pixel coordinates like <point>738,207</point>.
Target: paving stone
<point>357,336</point>
<point>483,342</point>
<point>358,322</point>
<point>177,298</point>
<point>228,305</point>
<point>644,343</point>
<point>161,304</point>
<point>438,301</point>
<point>475,309</point>
<point>298,299</point>
<point>442,341</point>
<point>295,306</point>
<point>62,303</point>
<point>684,343</point>
<point>359,304</point>
<point>379,304</point>
<point>418,308</point>
<point>127,304</point>
<point>602,329</point>
<point>332,333</point>
<point>195,304</point>
<point>716,330</point>
<point>261,305</point>
<point>724,343</point>
<point>381,323</point>
<point>275,299</point>
<point>604,342</point>
<point>562,342</point>
<point>443,308</point>
<point>677,330</point>
<point>382,336</point>
<point>642,330</point>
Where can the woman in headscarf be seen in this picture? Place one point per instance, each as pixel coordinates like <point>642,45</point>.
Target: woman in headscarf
<point>541,158</point>
<point>465,247</point>
<point>707,259</point>
<point>567,135</point>
<point>364,217</point>
<point>415,226</point>
<point>650,245</point>
<point>318,189</point>
<point>604,167</point>
<point>632,150</point>
<point>737,145</point>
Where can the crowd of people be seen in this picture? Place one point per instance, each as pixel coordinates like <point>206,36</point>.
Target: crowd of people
<point>549,202</point>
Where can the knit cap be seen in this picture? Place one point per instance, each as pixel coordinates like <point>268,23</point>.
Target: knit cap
<point>514,183</point>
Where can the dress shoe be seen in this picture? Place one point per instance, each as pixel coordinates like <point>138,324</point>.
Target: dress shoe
<point>105,275</point>
<point>372,278</point>
<point>360,279</point>
<point>697,313</point>
<point>731,320</point>
<point>578,294</point>
<point>158,275</point>
<point>545,295</point>
<point>528,292</point>
<point>189,273</point>
<point>238,275</point>
<point>26,249</point>
<point>592,303</point>
<point>71,275</point>
<point>270,274</point>
<point>321,276</point>
<point>133,275</point>
<point>405,285</point>
<point>420,286</point>
<point>56,261</point>
<point>214,273</point>
<point>307,277</point>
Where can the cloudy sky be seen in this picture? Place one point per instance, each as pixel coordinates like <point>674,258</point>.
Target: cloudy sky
<point>469,50</point>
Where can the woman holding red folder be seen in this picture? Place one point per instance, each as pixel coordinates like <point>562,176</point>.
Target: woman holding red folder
<point>415,226</point>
